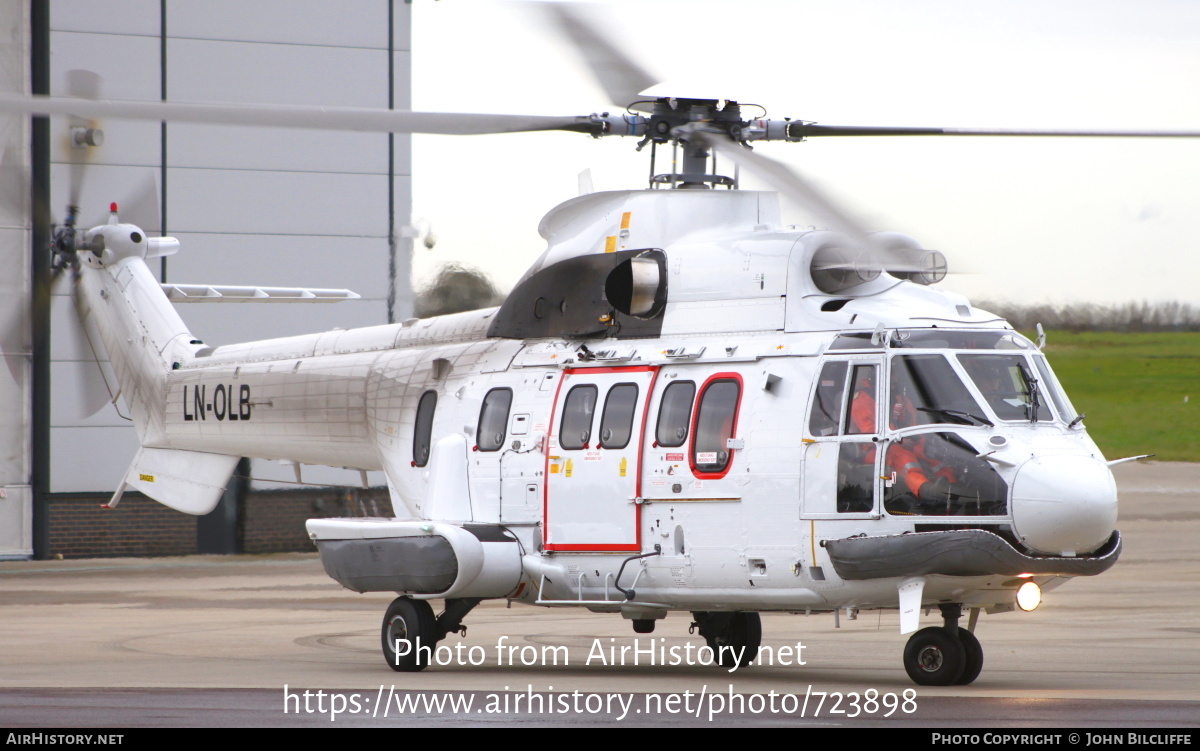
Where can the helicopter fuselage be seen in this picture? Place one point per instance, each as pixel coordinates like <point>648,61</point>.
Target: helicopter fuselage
<point>672,415</point>
<point>734,454</point>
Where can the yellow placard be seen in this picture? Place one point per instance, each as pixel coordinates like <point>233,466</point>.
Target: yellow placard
<point>610,244</point>
<point>624,464</point>
<point>146,478</point>
<point>567,469</point>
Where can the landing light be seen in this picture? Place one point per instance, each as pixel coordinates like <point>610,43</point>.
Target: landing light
<point>1029,596</point>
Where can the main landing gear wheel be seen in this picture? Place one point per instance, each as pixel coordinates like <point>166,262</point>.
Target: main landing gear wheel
<point>933,657</point>
<point>733,637</point>
<point>974,657</point>
<point>410,623</point>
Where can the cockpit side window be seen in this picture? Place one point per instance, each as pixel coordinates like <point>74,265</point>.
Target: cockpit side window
<point>827,401</point>
<point>860,416</point>
<point>925,390</point>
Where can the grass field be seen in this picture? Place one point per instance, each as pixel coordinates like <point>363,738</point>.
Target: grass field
<point>1140,392</point>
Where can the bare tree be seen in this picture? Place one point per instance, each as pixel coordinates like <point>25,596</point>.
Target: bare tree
<point>1130,316</point>
<point>455,289</point>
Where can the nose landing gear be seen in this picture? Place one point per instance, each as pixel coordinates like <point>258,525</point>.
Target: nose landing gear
<point>733,637</point>
<point>944,655</point>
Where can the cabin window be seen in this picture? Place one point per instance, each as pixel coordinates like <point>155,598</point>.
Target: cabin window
<point>925,390</point>
<point>423,432</point>
<point>576,428</point>
<point>616,422</point>
<point>827,402</point>
<point>715,417</point>
<point>675,414</point>
<point>493,419</point>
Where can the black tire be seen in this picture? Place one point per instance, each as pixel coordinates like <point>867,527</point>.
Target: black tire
<point>643,625</point>
<point>933,657</point>
<point>974,657</point>
<point>740,639</point>
<point>411,621</point>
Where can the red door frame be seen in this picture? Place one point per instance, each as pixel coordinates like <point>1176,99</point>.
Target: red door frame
<point>636,546</point>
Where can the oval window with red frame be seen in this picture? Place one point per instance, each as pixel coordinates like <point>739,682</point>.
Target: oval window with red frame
<point>716,418</point>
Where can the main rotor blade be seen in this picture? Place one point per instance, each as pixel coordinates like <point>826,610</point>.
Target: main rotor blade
<point>622,79</point>
<point>285,116</point>
<point>85,84</point>
<point>790,183</point>
<point>812,130</point>
<point>787,182</point>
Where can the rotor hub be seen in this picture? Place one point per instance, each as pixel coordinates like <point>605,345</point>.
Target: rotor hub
<point>670,113</point>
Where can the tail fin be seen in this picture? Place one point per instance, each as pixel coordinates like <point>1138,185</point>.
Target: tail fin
<point>119,298</point>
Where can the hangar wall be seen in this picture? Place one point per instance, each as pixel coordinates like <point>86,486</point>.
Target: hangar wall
<point>16,496</point>
<point>258,206</point>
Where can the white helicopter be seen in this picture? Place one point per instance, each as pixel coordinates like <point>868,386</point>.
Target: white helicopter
<point>684,405</point>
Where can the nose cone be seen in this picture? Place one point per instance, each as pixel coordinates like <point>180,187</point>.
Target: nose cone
<point>1063,505</point>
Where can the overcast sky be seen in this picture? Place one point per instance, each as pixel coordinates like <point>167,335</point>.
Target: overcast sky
<point>1033,220</point>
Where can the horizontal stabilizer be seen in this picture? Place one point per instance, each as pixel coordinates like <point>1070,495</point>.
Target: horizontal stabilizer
<point>187,481</point>
<point>224,293</point>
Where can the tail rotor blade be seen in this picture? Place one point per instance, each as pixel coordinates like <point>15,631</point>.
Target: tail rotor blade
<point>140,206</point>
<point>15,334</point>
<point>81,84</point>
<point>14,183</point>
<point>94,377</point>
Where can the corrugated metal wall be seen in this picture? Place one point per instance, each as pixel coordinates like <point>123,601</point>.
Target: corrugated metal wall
<point>15,222</point>
<point>249,205</point>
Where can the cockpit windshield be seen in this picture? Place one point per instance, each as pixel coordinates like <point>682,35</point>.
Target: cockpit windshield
<point>1010,386</point>
<point>944,339</point>
<point>1050,385</point>
<point>943,387</point>
<point>926,390</point>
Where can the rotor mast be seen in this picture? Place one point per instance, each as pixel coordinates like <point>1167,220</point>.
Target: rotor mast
<point>670,116</point>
